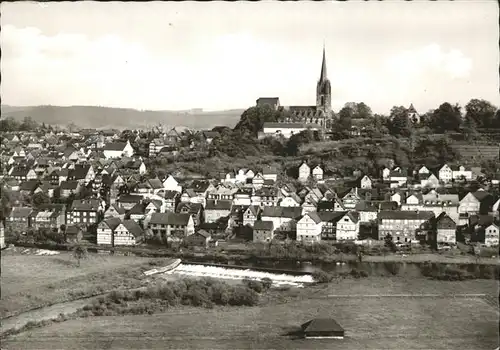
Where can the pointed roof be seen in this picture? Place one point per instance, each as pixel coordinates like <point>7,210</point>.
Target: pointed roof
<point>323,75</point>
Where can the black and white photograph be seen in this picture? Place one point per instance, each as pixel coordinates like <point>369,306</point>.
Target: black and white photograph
<point>250,175</point>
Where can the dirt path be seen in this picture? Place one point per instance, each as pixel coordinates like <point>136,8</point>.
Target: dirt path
<point>44,313</point>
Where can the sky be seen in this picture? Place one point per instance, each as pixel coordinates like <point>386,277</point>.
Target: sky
<point>225,55</point>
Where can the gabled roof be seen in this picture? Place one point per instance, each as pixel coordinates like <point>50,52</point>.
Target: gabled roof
<point>406,215</point>
<point>133,227</point>
<point>213,204</point>
<point>178,219</point>
<point>85,204</point>
<point>314,216</point>
<point>263,225</point>
<point>365,206</point>
<point>192,208</point>
<point>138,209</point>
<point>20,212</point>
<point>115,146</point>
<point>322,325</point>
<point>283,212</point>
<point>69,185</point>
<point>112,223</point>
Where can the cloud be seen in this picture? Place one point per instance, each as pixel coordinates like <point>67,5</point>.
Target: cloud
<point>430,59</point>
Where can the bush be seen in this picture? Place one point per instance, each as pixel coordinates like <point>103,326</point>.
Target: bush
<point>243,296</point>
<point>254,285</point>
<point>322,277</point>
<point>266,283</point>
<point>358,273</point>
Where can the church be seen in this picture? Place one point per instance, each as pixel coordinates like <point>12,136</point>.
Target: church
<point>318,116</point>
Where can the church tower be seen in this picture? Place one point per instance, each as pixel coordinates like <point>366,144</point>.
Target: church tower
<point>324,90</point>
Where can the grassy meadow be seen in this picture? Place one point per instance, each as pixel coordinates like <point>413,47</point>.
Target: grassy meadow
<point>370,323</point>
<point>30,281</point>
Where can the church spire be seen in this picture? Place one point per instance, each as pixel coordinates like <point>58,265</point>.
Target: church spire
<point>323,76</point>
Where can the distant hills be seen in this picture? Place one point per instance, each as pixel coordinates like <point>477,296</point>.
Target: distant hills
<point>122,118</point>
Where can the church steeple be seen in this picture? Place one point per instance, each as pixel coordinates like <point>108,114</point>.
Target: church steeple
<point>323,89</point>
<point>323,75</point>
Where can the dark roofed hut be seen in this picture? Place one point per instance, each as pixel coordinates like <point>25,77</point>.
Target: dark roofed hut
<point>322,328</point>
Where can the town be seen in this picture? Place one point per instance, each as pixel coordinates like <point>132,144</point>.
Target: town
<point>101,187</point>
<point>284,175</point>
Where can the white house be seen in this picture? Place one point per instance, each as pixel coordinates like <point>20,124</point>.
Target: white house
<point>365,182</point>
<point>128,233</point>
<point>309,228</point>
<point>491,234</point>
<point>171,184</point>
<point>462,172</point>
<point>105,231</point>
<point>396,197</point>
<point>304,172</point>
<point>290,201</point>
<point>118,150</point>
<point>397,179</point>
<point>429,180</point>
<point>348,227</point>
<point>423,170</point>
<point>445,173</point>
<point>317,173</point>
<point>386,172</point>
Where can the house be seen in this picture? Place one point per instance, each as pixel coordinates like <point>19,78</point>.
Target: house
<point>216,209</point>
<point>445,173</point>
<point>243,196</point>
<point>265,196</point>
<point>367,212</point>
<point>474,203</point>
<point>51,216</point>
<point>329,227</point>
<point>250,215</point>
<point>446,229</point>
<point>258,180</point>
<point>118,150</point>
<point>286,129</point>
<point>351,198</point>
<point>403,226</point>
<point>398,178</point>
<point>309,228</point>
<point>365,182</point>
<point>18,219</point>
<point>115,210</point>
<point>293,200</point>
<point>317,173</point>
<point>171,226</point>
<point>127,233</point>
<point>270,173</point>
<point>386,172</point>
<point>283,218</point>
<point>30,187</point>
<point>347,227</point>
<point>86,212</point>
<point>128,201</point>
<point>137,166</point>
<point>105,230</point>
<point>138,212</point>
<point>491,235</point>
<point>320,328</point>
<point>200,238</point>
<point>423,170</point>
<point>69,188</point>
<point>429,180</point>
<point>263,231</point>
<point>73,234</point>
<point>461,172</point>
<point>236,215</point>
<point>304,172</point>
<point>193,209</point>
<point>81,173</point>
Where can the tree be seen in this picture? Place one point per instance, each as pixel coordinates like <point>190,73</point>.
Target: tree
<point>389,243</point>
<point>345,117</point>
<point>399,124</point>
<point>79,253</point>
<point>253,119</point>
<point>28,124</point>
<point>40,199</point>
<point>469,128</point>
<point>446,118</point>
<point>481,112</point>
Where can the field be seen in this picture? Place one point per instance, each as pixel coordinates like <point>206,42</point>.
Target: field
<point>30,281</point>
<point>371,321</point>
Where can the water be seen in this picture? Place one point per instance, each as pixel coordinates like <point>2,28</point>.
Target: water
<point>239,274</point>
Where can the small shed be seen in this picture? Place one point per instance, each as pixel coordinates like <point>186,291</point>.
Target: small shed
<point>319,328</point>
